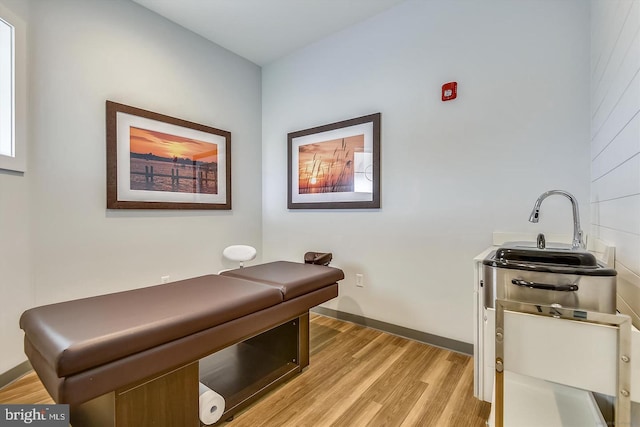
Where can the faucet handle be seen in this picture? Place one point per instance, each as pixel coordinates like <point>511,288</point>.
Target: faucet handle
<point>540,241</point>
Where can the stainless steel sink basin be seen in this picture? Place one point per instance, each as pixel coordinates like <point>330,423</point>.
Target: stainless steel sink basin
<point>564,276</point>
<point>559,257</point>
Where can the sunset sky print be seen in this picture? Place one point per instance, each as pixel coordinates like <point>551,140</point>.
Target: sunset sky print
<point>328,163</point>
<point>144,141</point>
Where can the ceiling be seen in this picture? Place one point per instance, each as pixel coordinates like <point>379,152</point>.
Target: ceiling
<point>265,30</point>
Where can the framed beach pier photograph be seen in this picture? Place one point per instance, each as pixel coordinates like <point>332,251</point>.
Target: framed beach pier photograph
<point>335,166</point>
<point>156,161</point>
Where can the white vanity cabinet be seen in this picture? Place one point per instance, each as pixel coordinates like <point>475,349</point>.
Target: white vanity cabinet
<point>551,365</point>
<point>484,329</point>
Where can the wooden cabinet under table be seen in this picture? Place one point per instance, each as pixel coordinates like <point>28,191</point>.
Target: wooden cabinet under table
<point>241,373</point>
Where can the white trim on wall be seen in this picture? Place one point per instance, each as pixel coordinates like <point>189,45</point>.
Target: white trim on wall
<point>12,92</point>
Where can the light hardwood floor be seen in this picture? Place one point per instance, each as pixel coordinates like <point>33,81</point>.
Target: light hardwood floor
<point>357,377</point>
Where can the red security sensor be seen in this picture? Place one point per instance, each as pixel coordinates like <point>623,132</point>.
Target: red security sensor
<point>449,91</point>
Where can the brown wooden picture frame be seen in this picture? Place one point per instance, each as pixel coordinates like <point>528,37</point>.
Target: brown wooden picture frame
<point>156,161</point>
<point>335,166</point>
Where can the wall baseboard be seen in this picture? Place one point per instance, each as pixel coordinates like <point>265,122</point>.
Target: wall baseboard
<point>14,373</point>
<point>434,340</point>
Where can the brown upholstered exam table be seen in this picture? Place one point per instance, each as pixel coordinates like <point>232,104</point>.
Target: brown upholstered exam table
<point>135,358</point>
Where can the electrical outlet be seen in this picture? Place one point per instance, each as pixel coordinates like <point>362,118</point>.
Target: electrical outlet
<point>164,279</point>
<point>360,280</point>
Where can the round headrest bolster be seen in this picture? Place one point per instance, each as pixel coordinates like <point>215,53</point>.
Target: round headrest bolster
<point>239,253</point>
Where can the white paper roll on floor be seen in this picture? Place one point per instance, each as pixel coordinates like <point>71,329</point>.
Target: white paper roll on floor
<point>211,405</point>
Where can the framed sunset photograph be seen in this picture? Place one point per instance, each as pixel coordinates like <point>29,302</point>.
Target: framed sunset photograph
<point>335,166</point>
<point>161,162</point>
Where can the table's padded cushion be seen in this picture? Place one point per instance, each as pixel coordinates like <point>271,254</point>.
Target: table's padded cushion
<point>77,335</point>
<point>292,278</point>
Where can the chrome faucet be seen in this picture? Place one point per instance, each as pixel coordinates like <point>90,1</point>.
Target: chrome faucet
<point>577,243</point>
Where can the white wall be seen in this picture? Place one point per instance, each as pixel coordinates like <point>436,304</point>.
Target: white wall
<point>615,144</point>
<point>85,52</point>
<point>452,173</point>
<point>15,282</point>
<point>81,53</point>
<point>615,135</point>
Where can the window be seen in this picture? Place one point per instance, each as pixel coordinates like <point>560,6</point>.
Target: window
<point>13,150</point>
<point>7,103</point>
